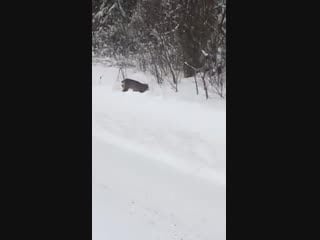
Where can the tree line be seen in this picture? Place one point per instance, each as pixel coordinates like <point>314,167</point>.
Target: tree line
<point>169,38</point>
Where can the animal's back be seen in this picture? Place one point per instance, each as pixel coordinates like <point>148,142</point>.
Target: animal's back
<point>134,85</point>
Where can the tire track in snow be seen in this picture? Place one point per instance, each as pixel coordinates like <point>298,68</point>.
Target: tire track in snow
<point>159,156</point>
<point>172,204</point>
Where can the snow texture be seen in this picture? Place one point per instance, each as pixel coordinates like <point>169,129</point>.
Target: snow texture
<point>158,161</point>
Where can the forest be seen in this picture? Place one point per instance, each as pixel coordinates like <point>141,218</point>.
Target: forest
<point>171,39</point>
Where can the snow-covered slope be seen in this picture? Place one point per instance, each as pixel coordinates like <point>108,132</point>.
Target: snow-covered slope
<point>158,161</point>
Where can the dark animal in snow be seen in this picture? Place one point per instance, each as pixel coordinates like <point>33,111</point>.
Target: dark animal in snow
<point>133,85</point>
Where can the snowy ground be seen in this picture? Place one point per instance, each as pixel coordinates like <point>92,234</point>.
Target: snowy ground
<point>158,162</point>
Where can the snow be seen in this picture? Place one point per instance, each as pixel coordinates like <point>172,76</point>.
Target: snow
<point>158,161</point>
<point>204,53</point>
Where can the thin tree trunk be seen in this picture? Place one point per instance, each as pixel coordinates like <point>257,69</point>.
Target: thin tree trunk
<point>205,85</point>
<point>195,80</point>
